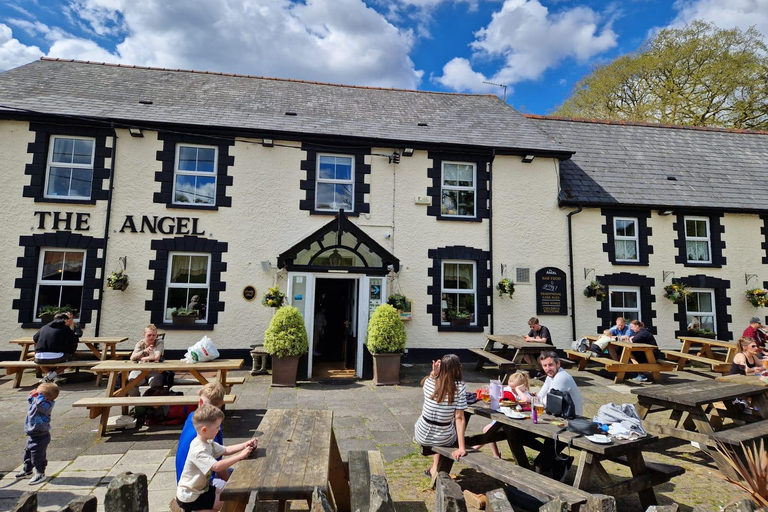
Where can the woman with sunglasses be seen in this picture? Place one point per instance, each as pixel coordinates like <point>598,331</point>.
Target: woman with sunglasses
<point>747,361</point>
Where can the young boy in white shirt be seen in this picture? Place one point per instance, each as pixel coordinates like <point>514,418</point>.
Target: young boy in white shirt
<point>194,491</point>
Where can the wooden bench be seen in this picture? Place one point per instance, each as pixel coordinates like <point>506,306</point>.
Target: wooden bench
<point>100,406</point>
<point>617,367</point>
<point>366,475</point>
<point>17,368</point>
<point>681,358</point>
<point>539,486</point>
<point>502,364</point>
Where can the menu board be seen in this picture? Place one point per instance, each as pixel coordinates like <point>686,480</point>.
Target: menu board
<point>551,289</point>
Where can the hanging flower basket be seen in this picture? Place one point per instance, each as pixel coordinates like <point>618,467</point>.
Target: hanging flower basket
<point>677,292</point>
<point>118,280</point>
<point>758,297</point>
<point>397,301</point>
<point>273,298</point>
<point>506,286</point>
<point>596,290</point>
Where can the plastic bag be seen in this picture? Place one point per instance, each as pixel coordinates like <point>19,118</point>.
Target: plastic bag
<point>202,351</point>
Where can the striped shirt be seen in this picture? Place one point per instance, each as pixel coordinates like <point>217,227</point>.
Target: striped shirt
<point>444,434</point>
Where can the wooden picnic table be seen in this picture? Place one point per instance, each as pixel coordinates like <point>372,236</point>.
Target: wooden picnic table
<point>752,380</point>
<point>718,362</point>
<point>623,359</point>
<point>297,453</point>
<point>699,408</point>
<point>520,433</point>
<point>510,357</point>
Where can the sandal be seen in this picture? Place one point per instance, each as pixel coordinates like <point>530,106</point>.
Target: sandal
<point>427,473</point>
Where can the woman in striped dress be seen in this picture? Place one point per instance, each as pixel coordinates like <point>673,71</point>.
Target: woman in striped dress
<point>442,420</point>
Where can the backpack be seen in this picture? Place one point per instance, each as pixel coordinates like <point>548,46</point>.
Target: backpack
<point>580,345</point>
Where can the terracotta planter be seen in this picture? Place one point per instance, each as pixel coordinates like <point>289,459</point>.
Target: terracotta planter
<point>386,369</point>
<point>284,371</point>
<point>183,320</point>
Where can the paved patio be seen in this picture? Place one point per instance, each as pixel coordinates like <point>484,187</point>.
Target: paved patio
<point>365,418</point>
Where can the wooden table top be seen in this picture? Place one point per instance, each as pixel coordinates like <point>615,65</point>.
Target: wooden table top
<point>695,394</point>
<point>107,340</point>
<point>708,341</point>
<point>291,460</point>
<point>216,364</point>
<point>513,340</point>
<point>633,346</point>
<point>751,380</point>
<point>546,429</point>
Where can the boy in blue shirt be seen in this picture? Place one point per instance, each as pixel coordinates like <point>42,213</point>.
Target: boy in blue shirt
<point>37,425</point>
<point>213,394</point>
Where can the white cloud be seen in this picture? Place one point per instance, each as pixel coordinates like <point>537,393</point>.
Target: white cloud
<point>12,52</point>
<point>528,40</point>
<point>733,13</point>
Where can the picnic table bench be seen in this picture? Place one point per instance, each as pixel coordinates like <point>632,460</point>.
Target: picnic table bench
<point>510,357</point>
<point>720,363</point>
<point>366,476</point>
<point>621,360</point>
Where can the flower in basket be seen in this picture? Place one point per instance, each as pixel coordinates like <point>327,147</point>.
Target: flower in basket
<point>677,292</point>
<point>597,290</point>
<point>118,280</point>
<point>758,297</point>
<point>397,301</point>
<point>273,298</point>
<point>506,286</point>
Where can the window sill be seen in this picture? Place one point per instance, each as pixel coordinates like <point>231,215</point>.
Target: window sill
<point>630,263</point>
<point>193,206</point>
<point>174,327</point>
<point>331,213</point>
<point>703,265</point>
<point>32,325</point>
<point>459,219</point>
<point>64,201</point>
<point>470,328</point>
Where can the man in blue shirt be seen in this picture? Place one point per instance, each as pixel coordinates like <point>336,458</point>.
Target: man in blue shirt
<point>212,393</point>
<point>621,329</point>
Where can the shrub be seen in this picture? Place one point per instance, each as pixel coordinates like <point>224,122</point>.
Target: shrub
<point>286,335</point>
<point>183,312</point>
<point>386,333</point>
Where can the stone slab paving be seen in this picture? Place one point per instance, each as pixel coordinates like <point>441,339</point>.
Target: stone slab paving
<point>365,418</point>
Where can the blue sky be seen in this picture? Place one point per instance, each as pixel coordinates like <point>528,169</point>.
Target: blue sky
<point>538,48</point>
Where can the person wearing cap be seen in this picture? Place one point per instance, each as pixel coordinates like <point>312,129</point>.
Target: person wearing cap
<point>754,332</point>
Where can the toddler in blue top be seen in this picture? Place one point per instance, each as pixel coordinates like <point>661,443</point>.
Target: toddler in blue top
<point>37,426</point>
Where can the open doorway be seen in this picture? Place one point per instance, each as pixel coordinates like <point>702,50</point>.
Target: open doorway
<point>335,342</point>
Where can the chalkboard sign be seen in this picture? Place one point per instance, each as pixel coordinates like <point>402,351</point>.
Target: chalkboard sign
<point>551,298</point>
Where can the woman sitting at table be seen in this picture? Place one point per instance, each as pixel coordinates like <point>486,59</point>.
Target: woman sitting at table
<point>148,350</point>
<point>642,335</point>
<point>442,420</point>
<point>747,361</point>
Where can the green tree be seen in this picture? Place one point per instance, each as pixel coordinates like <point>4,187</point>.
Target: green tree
<point>698,75</point>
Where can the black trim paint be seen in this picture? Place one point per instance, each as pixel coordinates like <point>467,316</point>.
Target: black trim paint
<point>722,301</point>
<point>483,285</point>
<point>28,264</point>
<point>482,193</point>
<point>309,165</point>
<point>764,243</point>
<point>162,248</point>
<point>647,299</point>
<point>39,151</point>
<point>643,234</point>
<point>717,244</point>
<point>167,156</point>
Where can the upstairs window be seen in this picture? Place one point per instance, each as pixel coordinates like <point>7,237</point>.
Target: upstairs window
<point>188,277</point>
<point>195,175</point>
<point>335,185</point>
<point>60,279</point>
<point>697,241</point>
<point>626,239</point>
<point>458,291</point>
<point>458,189</point>
<point>70,168</point>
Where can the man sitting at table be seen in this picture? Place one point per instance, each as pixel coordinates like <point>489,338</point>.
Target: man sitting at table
<point>559,379</point>
<point>537,334</point>
<point>754,332</point>
<point>213,394</point>
<point>621,329</point>
<point>55,343</point>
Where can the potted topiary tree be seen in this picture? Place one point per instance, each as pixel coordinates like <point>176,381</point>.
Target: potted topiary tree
<point>286,341</point>
<point>386,342</point>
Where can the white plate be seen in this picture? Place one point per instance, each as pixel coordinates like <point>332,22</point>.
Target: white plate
<point>599,439</point>
<point>511,413</point>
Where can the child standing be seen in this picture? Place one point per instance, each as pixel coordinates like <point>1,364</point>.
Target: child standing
<point>519,386</point>
<point>195,491</point>
<point>38,428</point>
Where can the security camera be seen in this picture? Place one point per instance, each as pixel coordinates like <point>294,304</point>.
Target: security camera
<point>390,267</point>
<point>388,235</point>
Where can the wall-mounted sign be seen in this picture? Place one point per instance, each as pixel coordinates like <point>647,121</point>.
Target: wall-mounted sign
<point>551,292</point>
<point>163,225</point>
<point>249,293</point>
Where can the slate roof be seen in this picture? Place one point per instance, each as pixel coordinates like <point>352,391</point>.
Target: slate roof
<point>631,164</point>
<point>220,100</point>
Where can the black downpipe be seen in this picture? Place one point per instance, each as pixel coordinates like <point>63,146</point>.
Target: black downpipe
<point>106,230</point>
<point>570,268</point>
<point>490,226</point>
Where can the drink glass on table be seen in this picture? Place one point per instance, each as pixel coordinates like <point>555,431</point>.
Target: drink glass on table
<point>539,405</point>
<point>765,363</point>
<point>486,392</point>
